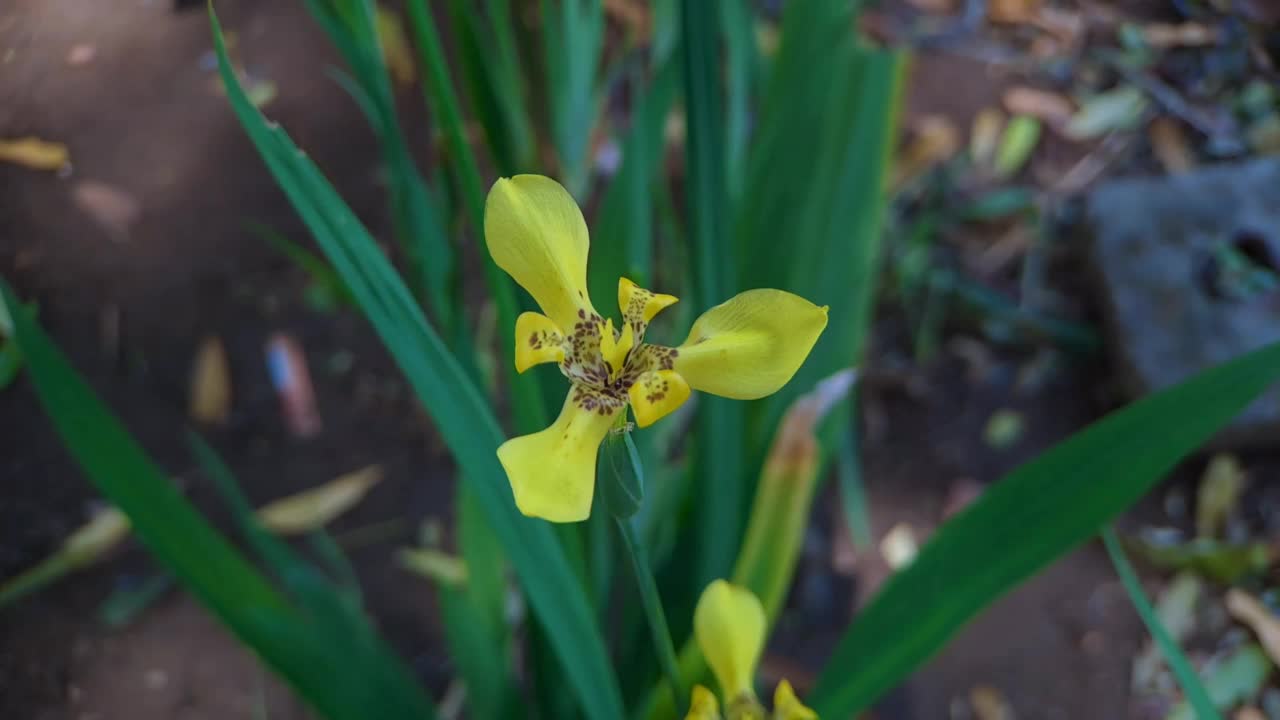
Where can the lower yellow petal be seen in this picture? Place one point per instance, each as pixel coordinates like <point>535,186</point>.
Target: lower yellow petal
<point>656,394</point>
<point>751,345</point>
<point>703,705</point>
<point>786,706</point>
<point>538,341</point>
<point>729,624</point>
<point>553,472</point>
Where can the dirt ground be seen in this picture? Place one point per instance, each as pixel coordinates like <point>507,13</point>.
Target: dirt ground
<point>144,116</point>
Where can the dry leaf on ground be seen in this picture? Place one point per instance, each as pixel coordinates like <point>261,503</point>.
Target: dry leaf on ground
<point>34,153</point>
<point>211,383</point>
<point>315,508</point>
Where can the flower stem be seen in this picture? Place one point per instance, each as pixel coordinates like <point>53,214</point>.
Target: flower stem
<point>649,598</point>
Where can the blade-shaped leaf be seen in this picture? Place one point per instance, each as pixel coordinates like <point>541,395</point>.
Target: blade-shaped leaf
<point>451,399</point>
<point>1035,514</point>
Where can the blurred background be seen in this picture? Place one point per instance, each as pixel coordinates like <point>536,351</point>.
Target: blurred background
<point>1059,166</point>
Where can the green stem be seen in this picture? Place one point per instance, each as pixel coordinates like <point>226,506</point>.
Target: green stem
<point>1196,693</point>
<point>653,609</point>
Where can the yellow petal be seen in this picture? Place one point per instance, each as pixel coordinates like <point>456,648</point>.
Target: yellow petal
<point>310,509</point>
<point>656,394</point>
<point>750,346</point>
<point>729,624</point>
<point>536,233</point>
<point>34,153</point>
<point>639,306</point>
<point>703,705</point>
<point>786,706</point>
<point>553,472</point>
<point>614,350</point>
<point>538,341</point>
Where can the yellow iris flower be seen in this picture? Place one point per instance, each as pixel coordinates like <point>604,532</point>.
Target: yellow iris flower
<point>745,348</point>
<point>729,623</point>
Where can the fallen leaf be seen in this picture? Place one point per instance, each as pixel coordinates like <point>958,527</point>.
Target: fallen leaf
<point>935,139</point>
<point>1219,561</point>
<point>81,54</point>
<point>316,507</point>
<point>1045,105</point>
<point>1170,146</point>
<point>211,383</point>
<point>1176,605</point>
<point>396,50</point>
<point>1020,139</point>
<point>113,209</point>
<point>990,704</point>
<point>1188,34</point>
<point>1219,493</point>
<point>437,565</point>
<point>1250,611</point>
<point>1119,109</point>
<point>104,531</point>
<point>984,137</point>
<point>34,153</point>
<point>1012,11</point>
<point>899,546</point>
<point>1230,680</point>
<point>1003,429</point>
<point>261,91</point>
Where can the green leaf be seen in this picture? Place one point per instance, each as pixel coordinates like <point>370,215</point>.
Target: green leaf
<point>352,28</point>
<point>573,38</point>
<point>1035,514</point>
<point>316,658</point>
<point>1178,663</point>
<point>491,64</point>
<point>721,492</point>
<point>622,238</point>
<point>528,407</point>
<point>454,403</point>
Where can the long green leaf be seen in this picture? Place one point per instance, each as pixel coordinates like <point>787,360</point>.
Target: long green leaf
<point>450,398</point>
<point>526,395</point>
<point>345,673</point>
<point>1178,663</point>
<point>622,239</point>
<point>419,227</point>
<point>573,37</point>
<point>1033,515</point>
<point>490,62</point>
<point>722,494</point>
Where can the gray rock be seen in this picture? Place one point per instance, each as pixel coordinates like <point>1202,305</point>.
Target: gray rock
<point>1170,310</point>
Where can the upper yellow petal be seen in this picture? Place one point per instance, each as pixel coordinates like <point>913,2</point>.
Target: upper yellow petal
<point>538,340</point>
<point>614,350</point>
<point>703,705</point>
<point>639,306</point>
<point>536,233</point>
<point>786,706</point>
<point>751,345</point>
<point>553,472</point>
<point>729,624</point>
